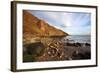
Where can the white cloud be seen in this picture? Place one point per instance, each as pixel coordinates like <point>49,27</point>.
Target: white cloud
<point>66,21</point>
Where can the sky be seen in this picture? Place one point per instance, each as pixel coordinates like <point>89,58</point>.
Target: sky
<point>74,23</point>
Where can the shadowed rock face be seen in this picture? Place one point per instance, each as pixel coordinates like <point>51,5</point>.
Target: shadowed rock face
<point>35,48</point>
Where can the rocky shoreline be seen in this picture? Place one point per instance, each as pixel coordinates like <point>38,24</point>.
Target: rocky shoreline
<point>55,50</point>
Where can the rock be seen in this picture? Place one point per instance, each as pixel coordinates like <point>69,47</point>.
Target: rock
<point>53,52</point>
<point>87,44</point>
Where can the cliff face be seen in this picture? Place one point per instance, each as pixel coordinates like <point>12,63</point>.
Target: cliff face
<point>34,27</point>
<point>38,40</point>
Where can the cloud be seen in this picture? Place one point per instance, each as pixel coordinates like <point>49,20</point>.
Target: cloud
<point>72,22</point>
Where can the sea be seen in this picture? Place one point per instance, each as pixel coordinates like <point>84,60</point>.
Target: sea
<point>79,38</point>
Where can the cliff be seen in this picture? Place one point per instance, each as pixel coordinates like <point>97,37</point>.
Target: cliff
<point>34,27</point>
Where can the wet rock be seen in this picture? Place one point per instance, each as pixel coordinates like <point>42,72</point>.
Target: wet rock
<point>35,48</point>
<point>87,44</point>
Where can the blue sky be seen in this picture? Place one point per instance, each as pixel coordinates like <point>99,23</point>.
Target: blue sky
<point>71,22</point>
